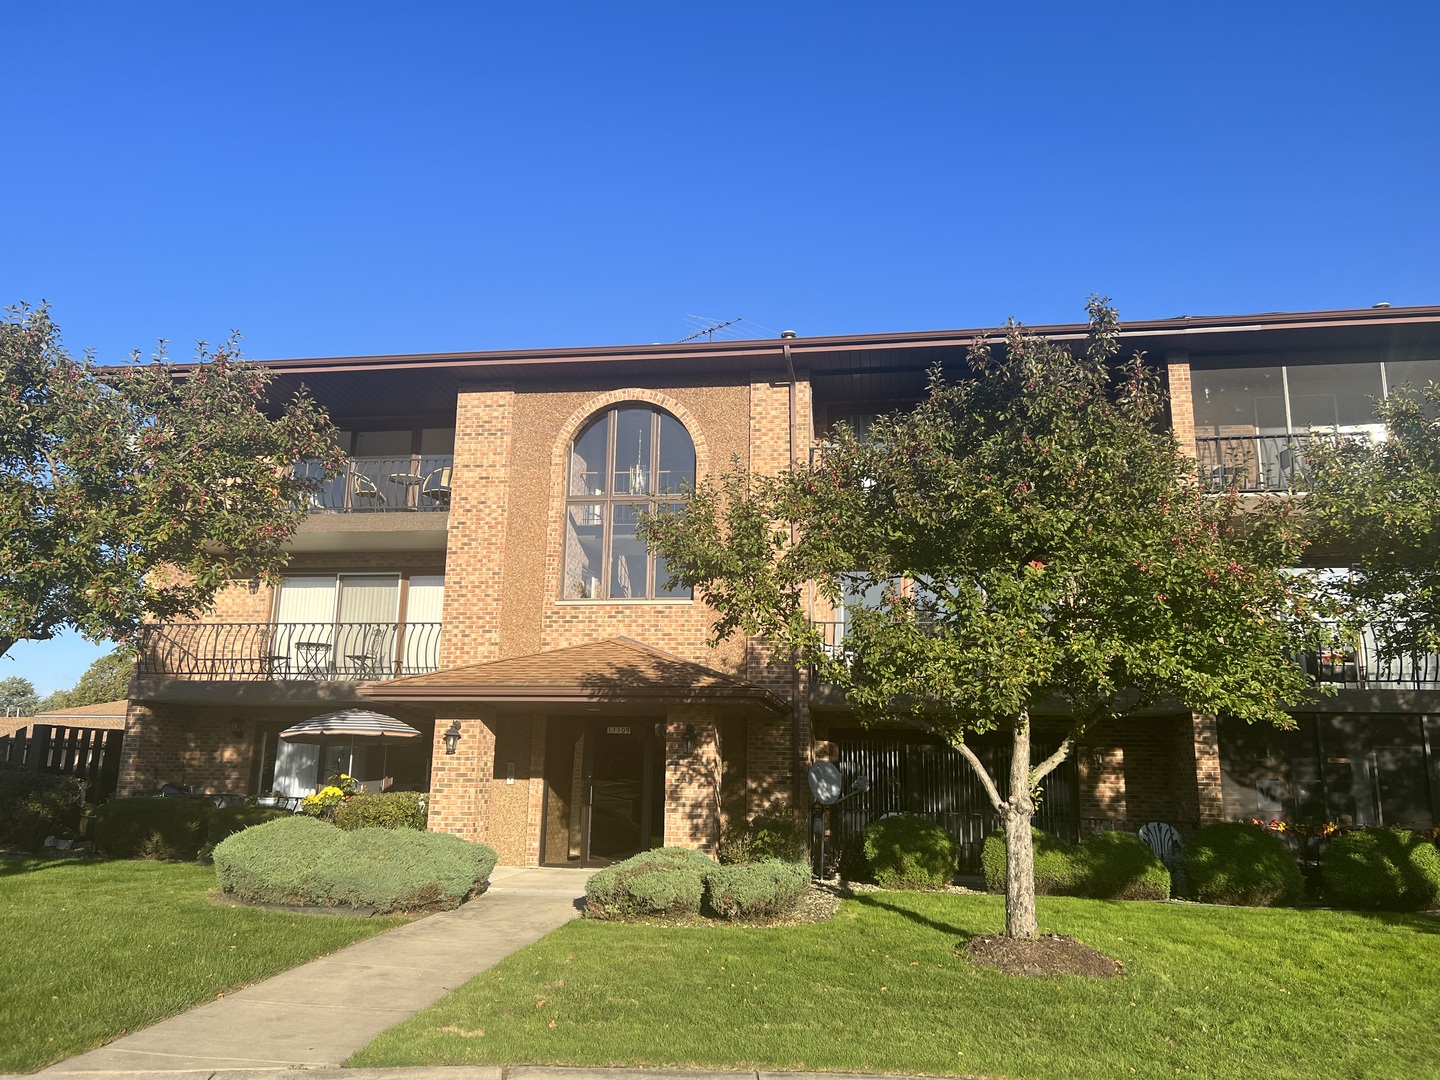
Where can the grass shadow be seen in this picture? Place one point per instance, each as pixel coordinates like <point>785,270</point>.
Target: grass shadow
<point>875,900</point>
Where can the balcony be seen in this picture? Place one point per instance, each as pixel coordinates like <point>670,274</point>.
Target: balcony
<point>1251,463</point>
<point>412,483</point>
<point>288,652</point>
<point>1357,668</point>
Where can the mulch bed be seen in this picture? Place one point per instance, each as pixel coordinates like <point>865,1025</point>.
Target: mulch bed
<point>1048,954</point>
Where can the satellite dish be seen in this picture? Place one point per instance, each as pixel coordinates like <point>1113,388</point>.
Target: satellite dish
<point>826,784</point>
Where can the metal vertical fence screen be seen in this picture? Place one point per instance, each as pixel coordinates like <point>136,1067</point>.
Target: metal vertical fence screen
<point>91,753</point>
<point>914,774</point>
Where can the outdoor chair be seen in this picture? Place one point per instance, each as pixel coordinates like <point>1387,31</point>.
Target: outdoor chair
<point>363,489</point>
<point>370,662</point>
<point>436,487</point>
<point>1168,847</point>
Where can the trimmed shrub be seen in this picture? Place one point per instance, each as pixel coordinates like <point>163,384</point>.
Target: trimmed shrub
<point>231,819</point>
<point>1392,869</point>
<point>152,828</point>
<point>305,861</point>
<point>385,810</point>
<point>1057,870</point>
<point>910,852</point>
<point>1120,866</point>
<point>777,832</point>
<point>762,890</point>
<point>1105,866</point>
<point>666,881</point>
<point>850,862</point>
<point>35,805</point>
<point>1236,863</point>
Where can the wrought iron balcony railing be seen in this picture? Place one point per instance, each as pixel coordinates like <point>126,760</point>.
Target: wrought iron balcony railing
<point>295,651</point>
<point>1251,463</point>
<point>418,482</point>
<point>1357,668</point>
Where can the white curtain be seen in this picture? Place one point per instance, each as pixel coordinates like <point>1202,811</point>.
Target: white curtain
<point>424,603</point>
<point>305,614</point>
<point>296,768</point>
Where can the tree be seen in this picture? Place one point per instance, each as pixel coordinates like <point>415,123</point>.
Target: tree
<point>139,490</point>
<point>107,679</point>
<point>1376,503</point>
<point>18,697</point>
<point>1039,537</point>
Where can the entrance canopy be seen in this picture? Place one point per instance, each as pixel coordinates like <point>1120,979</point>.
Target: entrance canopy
<point>618,670</point>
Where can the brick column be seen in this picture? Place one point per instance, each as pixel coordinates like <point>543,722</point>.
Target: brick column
<point>460,782</point>
<point>1208,789</point>
<point>535,817</point>
<point>1182,404</point>
<point>692,779</point>
<point>1102,783</point>
<point>475,554</point>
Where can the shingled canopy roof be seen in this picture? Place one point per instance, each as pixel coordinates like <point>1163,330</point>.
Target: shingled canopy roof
<point>618,670</point>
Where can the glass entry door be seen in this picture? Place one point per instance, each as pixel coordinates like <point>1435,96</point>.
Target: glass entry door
<point>604,792</point>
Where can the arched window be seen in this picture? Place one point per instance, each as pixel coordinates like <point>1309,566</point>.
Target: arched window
<point>628,458</point>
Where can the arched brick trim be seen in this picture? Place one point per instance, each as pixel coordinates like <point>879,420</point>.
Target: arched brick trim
<point>560,463</point>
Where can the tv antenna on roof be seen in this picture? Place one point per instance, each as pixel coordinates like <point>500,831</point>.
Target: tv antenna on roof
<point>709,332</point>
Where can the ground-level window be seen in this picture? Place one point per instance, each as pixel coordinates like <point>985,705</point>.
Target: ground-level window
<point>627,459</point>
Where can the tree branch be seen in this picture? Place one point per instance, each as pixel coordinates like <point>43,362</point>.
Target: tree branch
<point>1051,763</point>
<point>979,767</point>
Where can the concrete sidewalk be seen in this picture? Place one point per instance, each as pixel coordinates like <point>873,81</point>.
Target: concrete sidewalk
<point>297,1020</point>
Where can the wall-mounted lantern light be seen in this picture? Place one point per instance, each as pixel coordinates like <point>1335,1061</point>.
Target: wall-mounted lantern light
<point>688,735</point>
<point>254,584</point>
<point>452,736</point>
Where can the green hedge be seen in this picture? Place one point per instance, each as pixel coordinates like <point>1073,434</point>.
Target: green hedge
<point>1056,869</point>
<point>762,890</point>
<point>302,860</point>
<point>1236,863</point>
<point>34,805</point>
<point>910,852</point>
<point>677,882</point>
<point>231,819</point>
<point>1104,866</point>
<point>152,828</point>
<point>1392,869</point>
<point>385,810</point>
<point>777,832</point>
<point>666,881</point>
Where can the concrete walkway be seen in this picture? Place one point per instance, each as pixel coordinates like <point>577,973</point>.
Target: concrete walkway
<point>296,1019</point>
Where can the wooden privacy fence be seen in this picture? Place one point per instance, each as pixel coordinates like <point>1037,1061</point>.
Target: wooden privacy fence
<point>91,753</point>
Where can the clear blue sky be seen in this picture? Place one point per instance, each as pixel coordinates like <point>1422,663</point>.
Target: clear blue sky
<point>338,178</point>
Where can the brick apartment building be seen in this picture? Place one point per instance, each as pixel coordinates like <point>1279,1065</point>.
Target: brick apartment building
<point>476,574</point>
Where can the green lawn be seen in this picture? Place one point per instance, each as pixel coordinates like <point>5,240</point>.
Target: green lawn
<point>91,950</point>
<point>1208,992</point>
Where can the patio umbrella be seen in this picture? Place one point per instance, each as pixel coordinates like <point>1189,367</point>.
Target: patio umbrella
<point>352,724</point>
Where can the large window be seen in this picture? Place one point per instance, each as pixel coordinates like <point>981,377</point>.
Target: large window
<point>629,458</point>
<point>362,626</point>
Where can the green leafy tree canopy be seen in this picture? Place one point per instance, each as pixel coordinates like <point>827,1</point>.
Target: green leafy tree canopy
<point>18,696</point>
<point>1040,542</point>
<point>139,490</point>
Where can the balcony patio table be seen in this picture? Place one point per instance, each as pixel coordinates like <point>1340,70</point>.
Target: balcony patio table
<point>315,657</point>
<point>409,481</point>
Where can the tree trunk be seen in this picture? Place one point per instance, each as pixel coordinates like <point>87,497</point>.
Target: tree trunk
<point>1019,811</point>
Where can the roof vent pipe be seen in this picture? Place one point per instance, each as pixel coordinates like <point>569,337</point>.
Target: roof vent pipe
<point>791,333</point>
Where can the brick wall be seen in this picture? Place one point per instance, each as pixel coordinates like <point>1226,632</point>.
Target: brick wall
<point>692,779</point>
<point>212,748</point>
<point>460,783</point>
<point>1182,406</point>
<point>475,557</point>
<point>1143,769</point>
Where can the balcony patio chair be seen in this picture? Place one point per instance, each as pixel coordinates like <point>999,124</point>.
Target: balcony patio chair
<point>1165,841</point>
<point>436,487</point>
<point>363,489</point>
<point>370,663</point>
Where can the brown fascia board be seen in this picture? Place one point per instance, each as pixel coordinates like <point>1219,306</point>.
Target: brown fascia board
<point>769,351</point>
<point>533,695</point>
